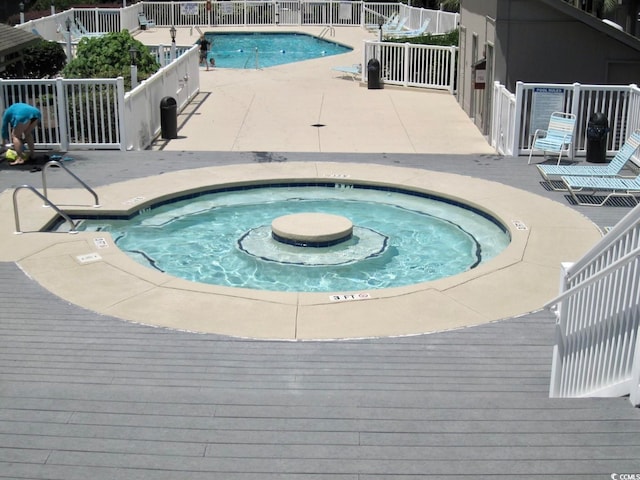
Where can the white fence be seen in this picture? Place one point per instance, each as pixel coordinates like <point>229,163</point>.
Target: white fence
<point>597,348</point>
<point>98,113</point>
<point>179,79</point>
<point>293,12</point>
<point>425,66</point>
<point>515,117</point>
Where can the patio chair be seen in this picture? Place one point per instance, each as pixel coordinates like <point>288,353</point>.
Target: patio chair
<point>390,22</point>
<point>77,35</point>
<point>612,169</point>
<point>84,30</point>
<point>353,71</point>
<point>557,138</point>
<point>608,186</point>
<point>144,22</point>
<point>408,33</point>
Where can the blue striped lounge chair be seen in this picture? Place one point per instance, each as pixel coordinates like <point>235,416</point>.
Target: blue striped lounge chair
<point>612,169</point>
<point>353,71</point>
<point>599,190</point>
<point>408,33</point>
<point>390,22</point>
<point>557,138</point>
<point>145,23</point>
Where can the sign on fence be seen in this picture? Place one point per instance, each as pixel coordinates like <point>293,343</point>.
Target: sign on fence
<point>189,8</point>
<point>546,100</point>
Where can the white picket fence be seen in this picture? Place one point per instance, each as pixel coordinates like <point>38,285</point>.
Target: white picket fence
<point>424,66</point>
<point>597,347</point>
<point>98,113</point>
<point>293,12</point>
<point>515,117</point>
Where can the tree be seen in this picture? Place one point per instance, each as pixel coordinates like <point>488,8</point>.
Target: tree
<point>108,57</point>
<point>43,60</point>
<point>451,5</point>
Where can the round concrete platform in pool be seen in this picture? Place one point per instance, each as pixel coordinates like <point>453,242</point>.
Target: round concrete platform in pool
<point>88,270</point>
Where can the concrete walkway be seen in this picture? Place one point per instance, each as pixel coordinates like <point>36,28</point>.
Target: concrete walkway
<point>308,107</point>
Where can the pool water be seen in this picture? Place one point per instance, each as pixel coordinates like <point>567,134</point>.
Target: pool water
<point>223,239</point>
<point>261,50</point>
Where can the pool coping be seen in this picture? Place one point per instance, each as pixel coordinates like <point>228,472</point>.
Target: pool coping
<point>88,270</point>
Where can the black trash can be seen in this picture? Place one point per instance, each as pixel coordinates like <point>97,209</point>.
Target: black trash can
<point>169,118</point>
<point>373,74</point>
<point>597,130</point>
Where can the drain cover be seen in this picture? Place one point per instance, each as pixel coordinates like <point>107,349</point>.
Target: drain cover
<point>318,125</point>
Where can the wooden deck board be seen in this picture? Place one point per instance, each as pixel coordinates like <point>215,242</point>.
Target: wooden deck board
<point>87,396</point>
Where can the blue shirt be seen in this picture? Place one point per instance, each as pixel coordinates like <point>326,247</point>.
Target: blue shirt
<point>16,114</point>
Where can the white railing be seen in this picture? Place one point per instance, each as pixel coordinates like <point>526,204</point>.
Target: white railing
<point>179,79</point>
<point>503,118</point>
<point>76,113</point>
<point>512,135</point>
<point>293,12</point>
<point>597,348</point>
<point>98,113</point>
<point>427,66</point>
<point>52,27</point>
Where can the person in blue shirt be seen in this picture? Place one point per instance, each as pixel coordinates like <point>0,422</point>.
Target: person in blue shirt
<point>18,123</point>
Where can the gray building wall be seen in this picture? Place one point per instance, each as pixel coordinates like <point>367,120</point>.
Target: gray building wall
<point>545,41</point>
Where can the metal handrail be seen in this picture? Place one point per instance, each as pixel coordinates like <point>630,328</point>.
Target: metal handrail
<point>52,163</point>
<point>47,202</point>
<point>328,30</point>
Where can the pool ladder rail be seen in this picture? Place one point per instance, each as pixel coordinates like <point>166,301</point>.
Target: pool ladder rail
<point>45,198</point>
<point>328,30</point>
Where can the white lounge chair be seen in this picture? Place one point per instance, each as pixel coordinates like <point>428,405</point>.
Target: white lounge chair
<point>390,22</point>
<point>353,71</point>
<point>409,33</point>
<point>607,186</point>
<point>84,30</point>
<point>612,169</point>
<point>557,138</point>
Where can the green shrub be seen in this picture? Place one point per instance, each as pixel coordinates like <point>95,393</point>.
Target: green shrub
<point>108,57</point>
<point>448,39</point>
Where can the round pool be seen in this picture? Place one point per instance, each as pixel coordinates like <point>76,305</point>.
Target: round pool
<point>372,238</point>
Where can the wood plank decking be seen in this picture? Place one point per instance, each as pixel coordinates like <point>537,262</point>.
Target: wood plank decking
<point>85,396</point>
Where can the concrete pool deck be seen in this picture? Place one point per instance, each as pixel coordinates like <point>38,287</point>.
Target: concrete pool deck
<point>277,109</point>
<point>274,110</point>
<point>88,270</point>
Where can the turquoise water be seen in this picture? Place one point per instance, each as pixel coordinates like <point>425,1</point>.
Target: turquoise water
<point>201,239</point>
<point>261,50</point>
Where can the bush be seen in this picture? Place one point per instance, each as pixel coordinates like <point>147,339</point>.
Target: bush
<point>448,39</point>
<point>43,60</point>
<point>108,57</point>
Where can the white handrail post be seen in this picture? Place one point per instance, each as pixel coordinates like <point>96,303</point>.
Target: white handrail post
<point>634,394</point>
<point>575,107</point>
<point>63,114</point>
<point>452,67</point>
<point>407,58</point>
<point>557,361</point>
<point>122,118</point>
<point>517,121</point>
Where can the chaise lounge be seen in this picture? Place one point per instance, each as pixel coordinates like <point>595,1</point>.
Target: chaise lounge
<point>608,186</point>
<point>550,173</point>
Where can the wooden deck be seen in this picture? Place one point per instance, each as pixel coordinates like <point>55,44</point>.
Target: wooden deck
<point>84,396</point>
